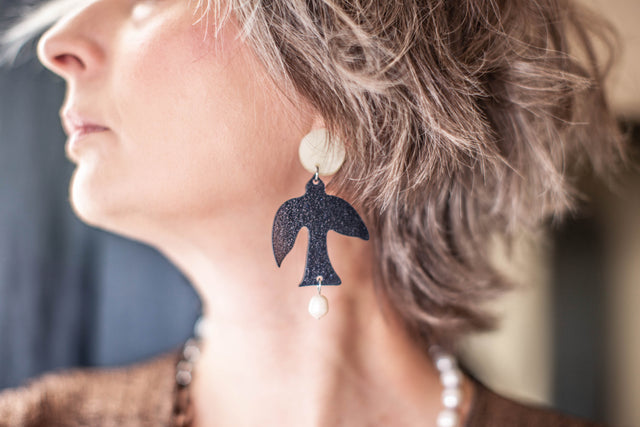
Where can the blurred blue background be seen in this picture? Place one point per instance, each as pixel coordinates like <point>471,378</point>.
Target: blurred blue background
<point>70,295</point>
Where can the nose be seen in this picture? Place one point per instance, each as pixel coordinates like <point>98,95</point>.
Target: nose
<point>70,48</point>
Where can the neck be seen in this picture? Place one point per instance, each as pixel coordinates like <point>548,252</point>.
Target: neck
<point>265,352</point>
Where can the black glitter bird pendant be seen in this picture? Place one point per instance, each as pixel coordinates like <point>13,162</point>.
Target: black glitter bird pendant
<point>319,212</point>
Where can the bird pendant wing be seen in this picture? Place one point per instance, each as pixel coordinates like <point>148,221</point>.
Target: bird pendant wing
<point>286,225</point>
<point>344,219</point>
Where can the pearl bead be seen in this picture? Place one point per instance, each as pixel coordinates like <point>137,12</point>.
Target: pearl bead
<point>445,362</point>
<point>183,378</point>
<point>451,379</point>
<point>451,397</point>
<point>201,328</point>
<point>191,351</point>
<point>318,306</point>
<point>447,418</point>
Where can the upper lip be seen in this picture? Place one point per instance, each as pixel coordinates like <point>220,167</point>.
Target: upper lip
<point>73,121</point>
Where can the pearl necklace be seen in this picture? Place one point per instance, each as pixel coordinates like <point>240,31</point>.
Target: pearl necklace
<point>450,378</point>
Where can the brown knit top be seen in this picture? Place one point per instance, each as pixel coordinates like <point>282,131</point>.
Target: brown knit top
<point>143,394</point>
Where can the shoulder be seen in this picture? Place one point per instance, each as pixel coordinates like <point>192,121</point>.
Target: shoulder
<point>139,394</point>
<point>490,409</point>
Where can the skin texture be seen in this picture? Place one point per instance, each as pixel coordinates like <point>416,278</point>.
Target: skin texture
<point>200,152</point>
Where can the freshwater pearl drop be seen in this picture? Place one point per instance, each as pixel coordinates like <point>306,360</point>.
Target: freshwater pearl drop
<point>318,306</point>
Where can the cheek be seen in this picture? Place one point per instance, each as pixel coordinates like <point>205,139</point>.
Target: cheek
<point>196,125</point>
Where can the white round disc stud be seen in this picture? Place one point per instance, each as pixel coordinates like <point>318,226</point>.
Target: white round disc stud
<point>315,152</point>
<point>318,306</point>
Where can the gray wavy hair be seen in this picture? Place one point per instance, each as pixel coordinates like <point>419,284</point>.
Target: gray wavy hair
<point>461,120</point>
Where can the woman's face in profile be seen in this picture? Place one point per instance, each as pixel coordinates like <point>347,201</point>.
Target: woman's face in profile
<point>176,120</point>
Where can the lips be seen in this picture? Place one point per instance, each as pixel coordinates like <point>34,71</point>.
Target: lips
<point>76,124</point>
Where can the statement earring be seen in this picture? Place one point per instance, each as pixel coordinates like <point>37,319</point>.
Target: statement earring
<point>319,212</point>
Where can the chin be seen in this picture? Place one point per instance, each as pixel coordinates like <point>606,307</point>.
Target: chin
<point>107,208</point>
<point>94,204</point>
<point>89,206</point>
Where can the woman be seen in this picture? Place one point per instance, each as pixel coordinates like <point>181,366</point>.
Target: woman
<point>458,122</point>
